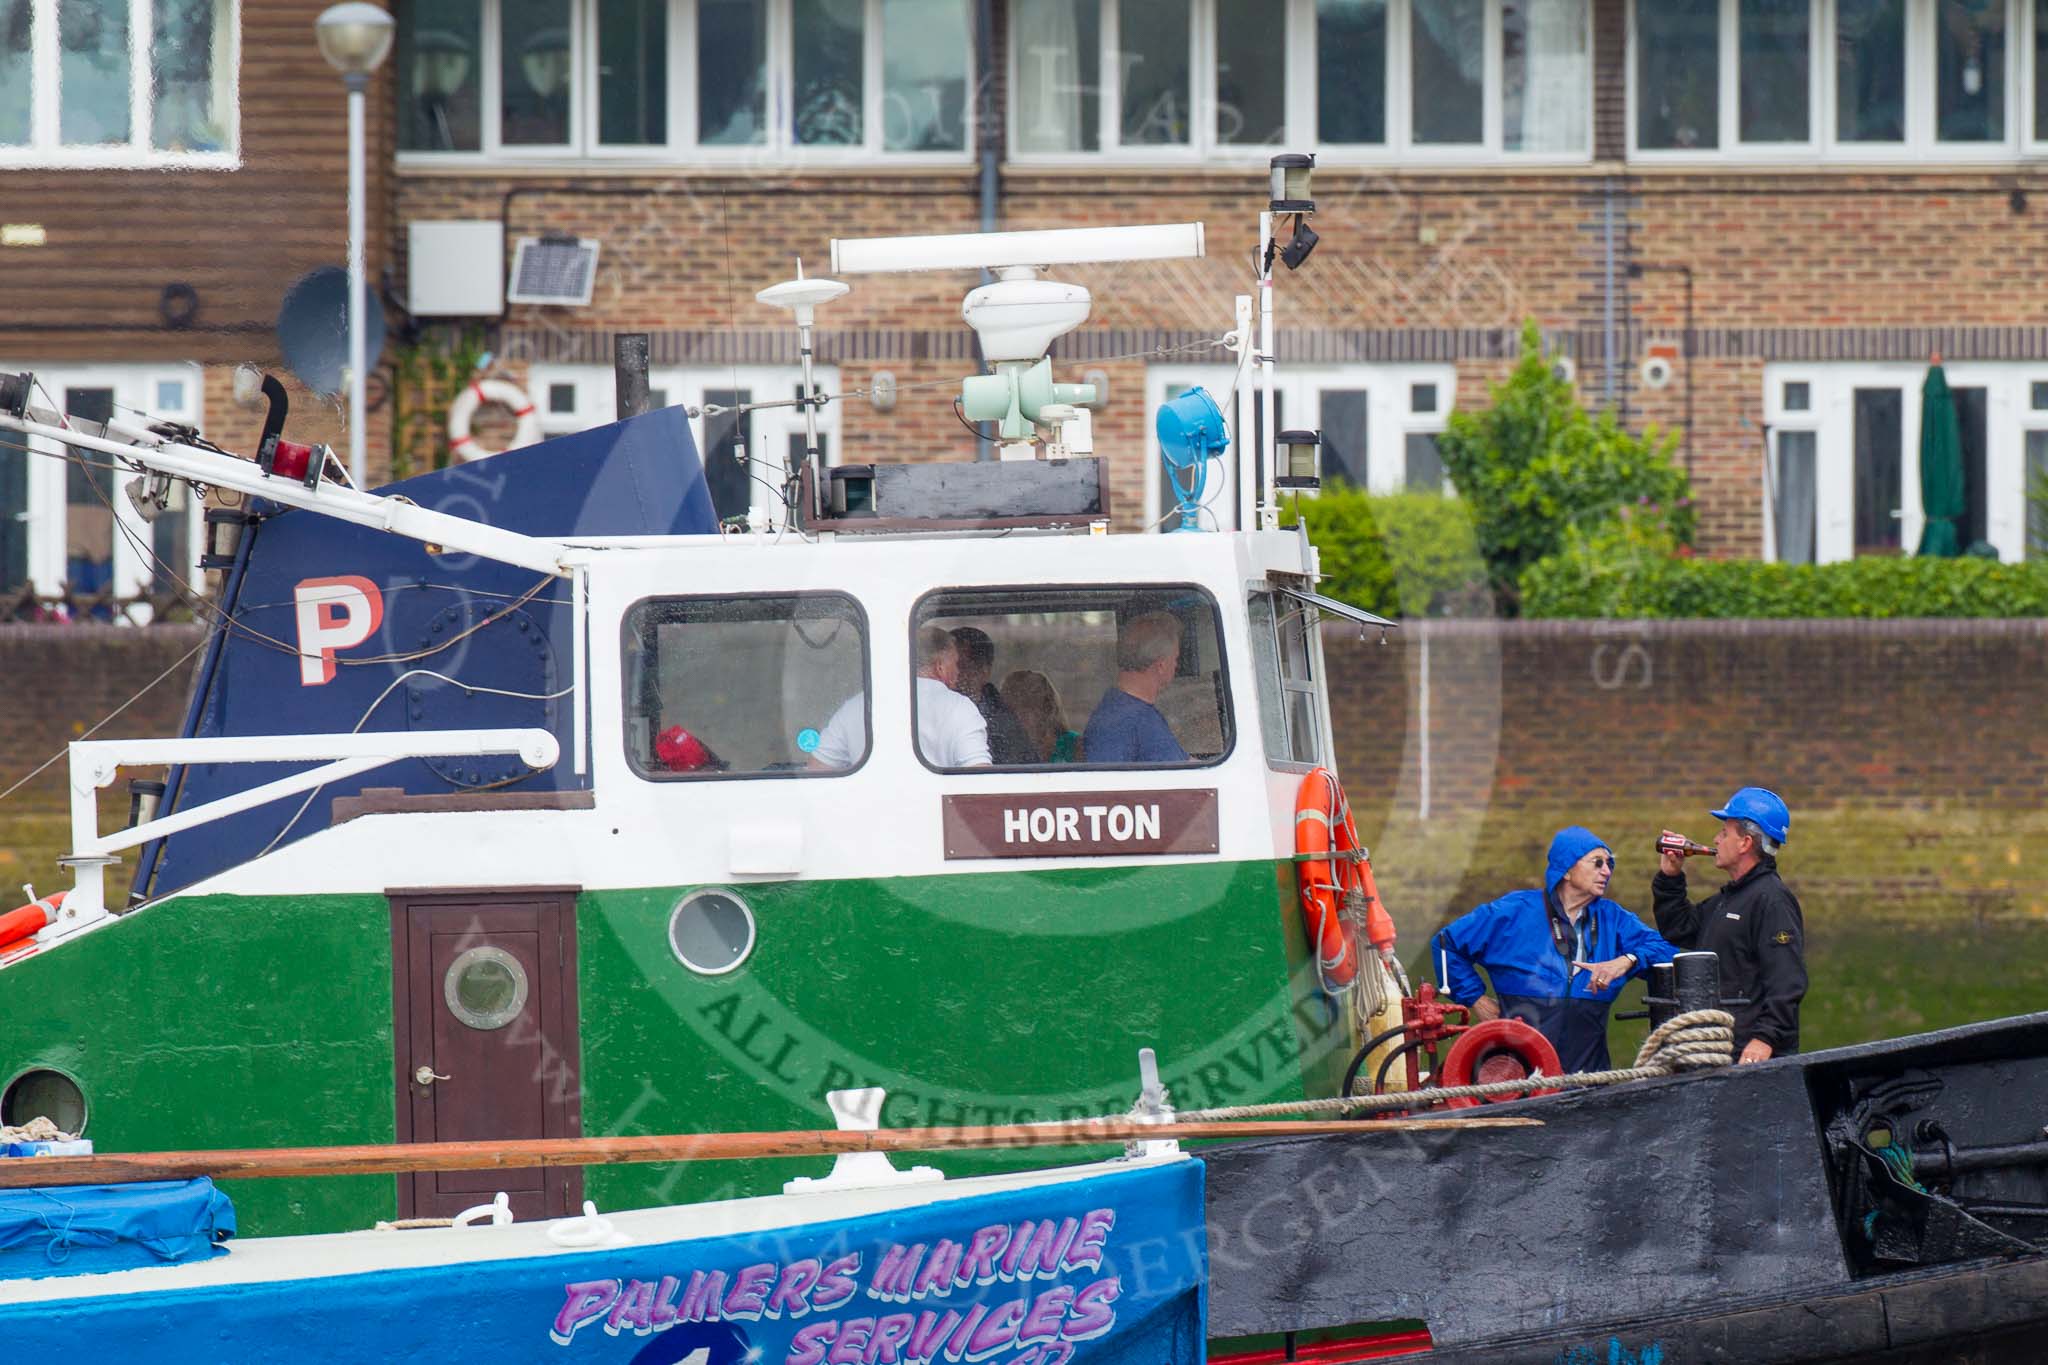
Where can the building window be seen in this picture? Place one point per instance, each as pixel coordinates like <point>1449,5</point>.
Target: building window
<point>1379,423</point>
<point>740,686</point>
<point>746,455</point>
<point>697,80</point>
<point>118,82</point>
<point>1111,677</point>
<point>1856,78</point>
<point>1361,80</point>
<point>66,528</point>
<point>1843,478</point>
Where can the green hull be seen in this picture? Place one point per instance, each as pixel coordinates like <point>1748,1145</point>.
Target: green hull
<point>988,997</point>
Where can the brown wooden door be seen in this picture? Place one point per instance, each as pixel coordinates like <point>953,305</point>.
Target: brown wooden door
<point>484,994</point>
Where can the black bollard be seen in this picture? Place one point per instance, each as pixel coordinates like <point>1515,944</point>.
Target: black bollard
<point>629,373</point>
<point>1697,982</point>
<point>1662,997</point>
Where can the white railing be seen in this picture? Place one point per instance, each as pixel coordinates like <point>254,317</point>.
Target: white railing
<point>95,762</point>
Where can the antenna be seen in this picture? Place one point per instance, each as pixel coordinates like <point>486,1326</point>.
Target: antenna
<point>802,298</point>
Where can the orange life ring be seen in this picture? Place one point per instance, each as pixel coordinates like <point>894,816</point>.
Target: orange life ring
<point>1322,826</point>
<point>1498,1050</point>
<point>29,920</point>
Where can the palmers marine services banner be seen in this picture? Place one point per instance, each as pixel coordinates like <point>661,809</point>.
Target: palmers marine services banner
<point>1107,1270</point>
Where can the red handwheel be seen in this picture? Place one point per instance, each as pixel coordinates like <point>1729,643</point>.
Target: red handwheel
<point>1498,1050</point>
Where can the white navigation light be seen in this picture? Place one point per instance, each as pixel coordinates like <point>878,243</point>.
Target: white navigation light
<point>991,250</point>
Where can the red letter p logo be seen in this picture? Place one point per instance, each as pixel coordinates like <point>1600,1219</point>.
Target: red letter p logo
<point>334,613</point>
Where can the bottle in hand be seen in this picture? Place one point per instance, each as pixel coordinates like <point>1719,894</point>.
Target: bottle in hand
<point>1668,842</point>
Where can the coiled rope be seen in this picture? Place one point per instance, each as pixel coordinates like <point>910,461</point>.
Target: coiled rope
<point>1695,1041</point>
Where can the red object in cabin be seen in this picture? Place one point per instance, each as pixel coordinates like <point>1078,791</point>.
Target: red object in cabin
<point>680,751</point>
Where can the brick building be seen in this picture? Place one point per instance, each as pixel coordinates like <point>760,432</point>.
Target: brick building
<point>1827,191</point>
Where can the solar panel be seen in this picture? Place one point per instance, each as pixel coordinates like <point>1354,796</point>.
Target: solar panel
<point>557,270</point>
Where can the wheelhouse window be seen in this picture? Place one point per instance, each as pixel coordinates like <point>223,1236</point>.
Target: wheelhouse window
<point>687,80</point>
<point>1110,677</point>
<point>1290,714</point>
<point>118,82</point>
<point>1858,78</point>
<point>1361,80</point>
<point>739,686</point>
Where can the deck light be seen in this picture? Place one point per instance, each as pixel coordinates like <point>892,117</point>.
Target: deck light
<point>1292,172</point>
<point>1301,462</point>
<point>145,796</point>
<point>223,535</point>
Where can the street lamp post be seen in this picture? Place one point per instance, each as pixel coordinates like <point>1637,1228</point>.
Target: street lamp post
<point>354,38</point>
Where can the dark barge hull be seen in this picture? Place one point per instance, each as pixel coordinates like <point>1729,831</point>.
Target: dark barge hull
<point>1739,1216</point>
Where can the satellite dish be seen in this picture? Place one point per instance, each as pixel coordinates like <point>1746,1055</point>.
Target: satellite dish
<point>312,328</point>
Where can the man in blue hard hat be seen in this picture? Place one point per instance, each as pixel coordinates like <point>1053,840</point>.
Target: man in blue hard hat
<point>1752,924</point>
<point>1558,956</point>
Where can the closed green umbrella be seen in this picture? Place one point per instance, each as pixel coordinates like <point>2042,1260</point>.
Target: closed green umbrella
<point>1942,497</point>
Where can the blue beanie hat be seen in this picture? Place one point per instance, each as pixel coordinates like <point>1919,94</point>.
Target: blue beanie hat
<point>1571,844</point>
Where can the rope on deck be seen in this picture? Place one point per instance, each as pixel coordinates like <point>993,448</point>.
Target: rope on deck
<point>1695,1041</point>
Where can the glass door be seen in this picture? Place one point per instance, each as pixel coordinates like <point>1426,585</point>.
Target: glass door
<point>1878,483</point>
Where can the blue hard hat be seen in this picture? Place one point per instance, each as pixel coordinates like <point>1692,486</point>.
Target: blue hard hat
<point>1765,809</point>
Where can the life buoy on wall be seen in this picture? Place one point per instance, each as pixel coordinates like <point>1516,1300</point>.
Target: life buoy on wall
<point>1498,1050</point>
<point>500,391</point>
<point>1322,826</point>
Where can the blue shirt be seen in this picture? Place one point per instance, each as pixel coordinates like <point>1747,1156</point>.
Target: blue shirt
<point>1511,939</point>
<point>1127,730</point>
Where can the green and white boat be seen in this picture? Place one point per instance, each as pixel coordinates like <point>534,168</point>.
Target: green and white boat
<point>503,808</point>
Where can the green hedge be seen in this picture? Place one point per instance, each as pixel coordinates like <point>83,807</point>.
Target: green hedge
<point>1399,554</point>
<point>1578,584</point>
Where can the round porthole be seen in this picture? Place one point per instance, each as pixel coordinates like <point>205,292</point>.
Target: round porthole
<point>486,988</point>
<point>711,932</point>
<point>44,1094</point>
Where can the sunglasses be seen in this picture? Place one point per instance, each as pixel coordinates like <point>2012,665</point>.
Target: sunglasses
<point>1603,864</point>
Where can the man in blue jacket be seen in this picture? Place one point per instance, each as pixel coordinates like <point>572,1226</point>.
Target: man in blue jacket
<point>1557,957</point>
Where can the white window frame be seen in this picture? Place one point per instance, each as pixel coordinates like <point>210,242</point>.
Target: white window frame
<point>2031,419</point>
<point>778,151</point>
<point>1302,130</point>
<point>48,516</point>
<point>1389,422</point>
<point>2024,38</point>
<point>43,148</point>
<point>2008,417</point>
<point>1920,144</point>
<point>596,403</point>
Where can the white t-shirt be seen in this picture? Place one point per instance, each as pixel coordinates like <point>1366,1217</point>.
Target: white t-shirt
<point>951,731</point>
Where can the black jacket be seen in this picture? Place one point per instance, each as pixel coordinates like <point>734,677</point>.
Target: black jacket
<point>1755,928</point>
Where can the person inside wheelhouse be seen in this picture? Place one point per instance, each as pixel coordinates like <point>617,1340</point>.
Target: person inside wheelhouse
<point>1144,665</point>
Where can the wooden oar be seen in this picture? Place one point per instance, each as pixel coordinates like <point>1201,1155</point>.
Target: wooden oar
<point>387,1159</point>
